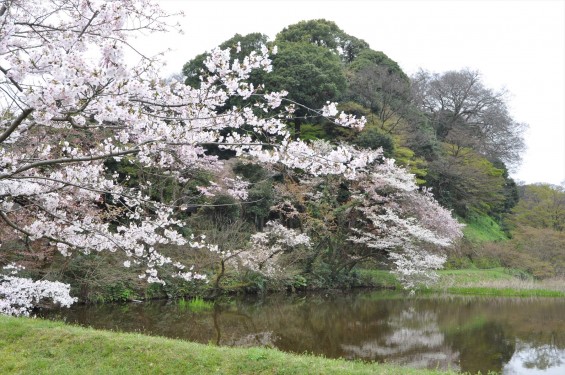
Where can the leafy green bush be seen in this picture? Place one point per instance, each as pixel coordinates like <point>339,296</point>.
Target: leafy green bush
<point>373,138</point>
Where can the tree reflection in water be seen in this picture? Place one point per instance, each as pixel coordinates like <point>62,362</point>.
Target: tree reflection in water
<point>415,340</point>
<point>543,359</point>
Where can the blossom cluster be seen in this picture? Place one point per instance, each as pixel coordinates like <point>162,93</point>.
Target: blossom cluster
<point>18,295</point>
<point>267,247</point>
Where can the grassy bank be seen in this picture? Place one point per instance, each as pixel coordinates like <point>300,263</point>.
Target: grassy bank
<point>493,282</point>
<point>482,228</point>
<point>497,282</point>
<point>34,346</point>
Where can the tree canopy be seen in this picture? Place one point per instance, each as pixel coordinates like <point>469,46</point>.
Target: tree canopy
<point>326,34</point>
<point>466,113</point>
<point>541,206</point>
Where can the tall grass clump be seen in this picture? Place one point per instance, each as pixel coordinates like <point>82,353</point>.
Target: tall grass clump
<point>195,304</point>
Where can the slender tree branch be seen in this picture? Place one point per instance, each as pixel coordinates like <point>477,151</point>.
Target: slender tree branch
<point>11,224</point>
<point>44,163</point>
<point>88,24</point>
<point>5,71</point>
<point>16,227</point>
<point>17,121</point>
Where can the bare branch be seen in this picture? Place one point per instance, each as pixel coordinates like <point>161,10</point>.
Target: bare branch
<point>5,71</point>
<point>11,224</point>
<point>17,121</point>
<point>88,24</point>
<point>44,163</point>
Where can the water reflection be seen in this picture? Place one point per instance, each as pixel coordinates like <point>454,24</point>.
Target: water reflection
<point>513,336</point>
<point>544,359</point>
<point>415,339</point>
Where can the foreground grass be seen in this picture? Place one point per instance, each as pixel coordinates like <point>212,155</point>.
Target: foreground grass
<point>35,346</point>
<point>492,282</point>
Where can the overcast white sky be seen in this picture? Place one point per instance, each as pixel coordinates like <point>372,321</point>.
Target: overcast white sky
<point>518,45</point>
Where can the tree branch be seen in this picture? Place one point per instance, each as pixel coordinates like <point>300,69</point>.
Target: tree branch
<point>5,71</point>
<point>15,124</point>
<point>11,224</point>
<point>88,24</point>
<point>44,163</point>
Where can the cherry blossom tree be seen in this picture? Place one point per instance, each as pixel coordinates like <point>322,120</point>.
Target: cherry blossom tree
<point>70,101</point>
<point>403,222</point>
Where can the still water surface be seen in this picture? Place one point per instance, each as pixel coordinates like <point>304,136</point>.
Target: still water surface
<point>507,335</point>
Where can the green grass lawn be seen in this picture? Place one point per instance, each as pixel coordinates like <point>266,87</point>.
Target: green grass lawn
<point>35,346</point>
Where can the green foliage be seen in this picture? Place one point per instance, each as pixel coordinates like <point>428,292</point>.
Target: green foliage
<point>255,283</point>
<point>196,304</point>
<point>369,57</point>
<point>102,278</point>
<point>260,195</point>
<point>354,108</point>
<point>298,282</point>
<point>316,62</point>
<point>326,130</point>
<point>466,182</point>
<point>252,172</point>
<point>373,138</point>
<point>457,262</point>
<point>537,251</point>
<point>310,73</point>
<point>510,190</point>
<point>540,206</point>
<point>310,132</point>
<point>326,34</point>
<point>499,281</point>
<point>469,276</point>
<point>496,282</point>
<point>327,220</point>
<point>96,278</point>
<point>118,292</point>
<point>259,201</point>
<point>538,239</point>
<point>379,84</point>
<point>472,261</point>
<point>420,136</point>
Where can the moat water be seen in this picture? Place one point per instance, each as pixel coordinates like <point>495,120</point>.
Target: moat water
<point>506,335</point>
